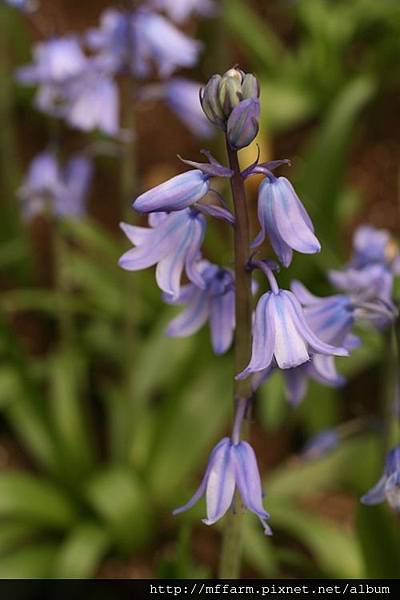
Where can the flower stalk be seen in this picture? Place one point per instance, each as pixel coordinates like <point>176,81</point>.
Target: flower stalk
<point>231,551</point>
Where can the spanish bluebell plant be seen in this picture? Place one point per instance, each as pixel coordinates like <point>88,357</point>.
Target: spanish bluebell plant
<point>280,334</point>
<point>388,487</point>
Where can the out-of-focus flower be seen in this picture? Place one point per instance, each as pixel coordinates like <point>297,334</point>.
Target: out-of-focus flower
<point>230,466</point>
<point>281,333</point>
<point>284,219</point>
<point>172,242</point>
<point>62,192</point>
<point>374,246</point>
<point>133,41</point>
<point>26,5</point>
<point>388,486</point>
<point>182,95</point>
<point>215,303</point>
<point>54,61</point>
<point>91,102</point>
<point>180,10</point>
<point>321,444</point>
<point>72,86</point>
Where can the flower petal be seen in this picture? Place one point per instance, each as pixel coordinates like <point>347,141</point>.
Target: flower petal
<point>222,321</point>
<point>263,338</point>
<point>220,483</point>
<point>175,194</point>
<point>191,319</point>
<point>377,493</point>
<point>290,348</point>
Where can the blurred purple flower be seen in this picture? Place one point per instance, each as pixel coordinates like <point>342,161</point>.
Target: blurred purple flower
<point>72,86</point>
<point>215,302</point>
<point>388,486</point>
<point>180,10</point>
<point>230,466</point>
<point>54,61</point>
<point>321,444</point>
<point>281,333</point>
<point>284,219</point>
<point>172,242</point>
<point>132,41</point>
<point>27,5</point>
<point>91,102</point>
<point>374,246</point>
<point>48,187</point>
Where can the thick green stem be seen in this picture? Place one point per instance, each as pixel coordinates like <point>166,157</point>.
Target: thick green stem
<point>231,546</point>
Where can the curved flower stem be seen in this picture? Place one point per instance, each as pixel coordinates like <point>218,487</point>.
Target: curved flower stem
<point>231,546</point>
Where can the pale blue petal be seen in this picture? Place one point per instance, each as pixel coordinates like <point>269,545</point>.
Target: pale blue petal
<point>222,321</point>
<point>290,348</point>
<point>220,483</point>
<point>263,338</point>
<point>175,194</point>
<point>377,493</point>
<point>191,319</point>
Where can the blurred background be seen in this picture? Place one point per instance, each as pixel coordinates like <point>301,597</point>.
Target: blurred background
<point>105,423</point>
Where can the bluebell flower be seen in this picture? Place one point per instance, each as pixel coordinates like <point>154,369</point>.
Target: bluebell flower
<point>284,219</point>
<point>321,444</point>
<point>159,41</point>
<point>134,41</point>
<point>281,333</point>
<point>374,246</point>
<point>172,242</point>
<point>91,102</point>
<point>175,194</point>
<point>60,191</point>
<point>388,486</point>
<point>230,466</point>
<point>180,10</point>
<point>370,290</point>
<point>182,95</point>
<point>54,61</point>
<point>214,303</point>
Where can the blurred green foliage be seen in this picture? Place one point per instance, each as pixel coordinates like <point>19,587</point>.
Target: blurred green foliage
<point>104,469</point>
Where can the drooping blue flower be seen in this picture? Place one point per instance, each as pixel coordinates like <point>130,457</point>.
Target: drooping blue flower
<point>62,192</point>
<point>172,242</point>
<point>175,194</point>
<point>281,333</point>
<point>284,220</point>
<point>230,466</point>
<point>388,486</point>
<point>113,41</point>
<point>180,10</point>
<point>182,95</point>
<point>214,303</point>
<point>321,444</point>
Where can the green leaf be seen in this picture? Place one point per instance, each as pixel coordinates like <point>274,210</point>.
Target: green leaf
<point>80,553</point>
<point>189,429</point>
<point>120,499</point>
<point>13,533</point>
<point>259,38</point>
<point>380,541</point>
<point>92,235</point>
<point>30,562</point>
<point>67,378</point>
<point>272,405</point>
<point>285,104</point>
<point>335,550</point>
<point>320,179</point>
<point>35,501</point>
